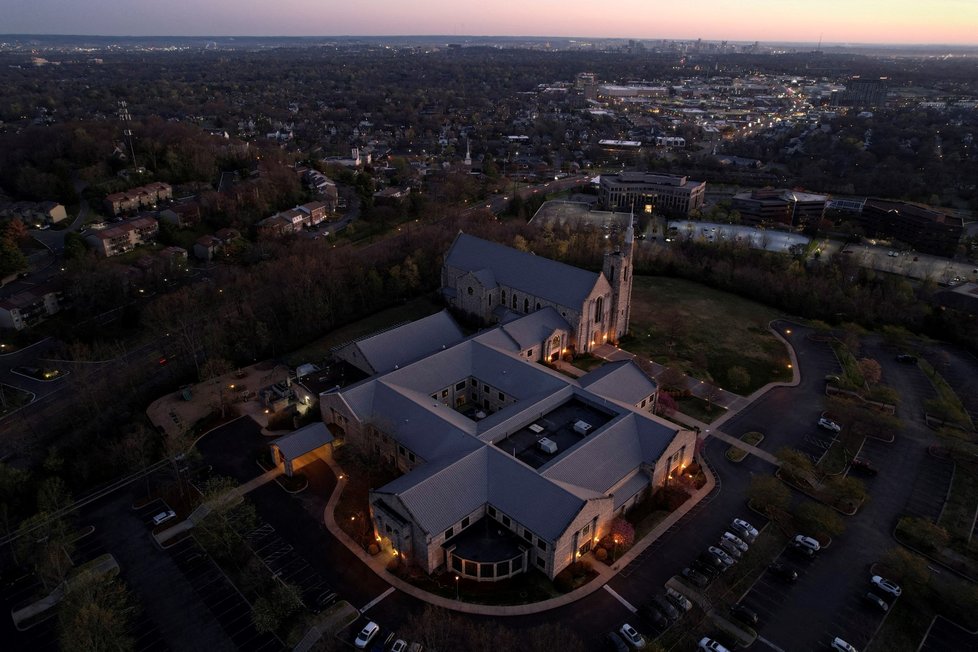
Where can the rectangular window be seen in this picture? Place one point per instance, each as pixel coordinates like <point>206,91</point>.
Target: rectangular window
<point>492,511</point>
<point>502,397</point>
<point>644,401</point>
<point>506,521</point>
<point>527,535</point>
<point>449,533</point>
<point>456,563</point>
<point>529,353</point>
<point>542,545</point>
<point>541,562</point>
<point>485,388</point>
<point>473,382</point>
<point>585,529</point>
<point>460,386</point>
<point>465,522</point>
<point>411,457</point>
<point>444,393</point>
<point>400,450</point>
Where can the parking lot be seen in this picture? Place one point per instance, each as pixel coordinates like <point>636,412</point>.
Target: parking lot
<point>221,598</point>
<point>930,488</point>
<point>944,635</point>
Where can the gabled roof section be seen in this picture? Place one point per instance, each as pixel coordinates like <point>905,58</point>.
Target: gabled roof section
<point>603,459</point>
<point>409,342</point>
<point>544,506</point>
<point>541,277</point>
<point>535,327</point>
<point>621,381</point>
<point>304,440</point>
<point>436,494</point>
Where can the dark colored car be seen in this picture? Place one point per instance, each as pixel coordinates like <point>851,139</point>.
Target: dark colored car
<point>655,618</point>
<point>801,550</point>
<point>906,358</point>
<point>709,570</point>
<point>876,602</point>
<point>666,607</point>
<point>743,614</point>
<point>710,559</point>
<point>615,642</point>
<point>695,577</point>
<point>784,571</point>
<point>863,466</point>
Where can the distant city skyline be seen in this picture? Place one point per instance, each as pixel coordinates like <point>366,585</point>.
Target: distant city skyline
<point>950,22</point>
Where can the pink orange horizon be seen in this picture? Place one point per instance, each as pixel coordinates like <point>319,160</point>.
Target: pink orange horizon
<point>949,22</point>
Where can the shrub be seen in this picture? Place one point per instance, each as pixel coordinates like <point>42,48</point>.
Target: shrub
<point>601,554</point>
<point>922,534</point>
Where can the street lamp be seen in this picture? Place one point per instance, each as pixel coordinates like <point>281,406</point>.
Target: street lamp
<point>456,589</point>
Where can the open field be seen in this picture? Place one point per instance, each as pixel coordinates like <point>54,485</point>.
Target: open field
<point>705,333</point>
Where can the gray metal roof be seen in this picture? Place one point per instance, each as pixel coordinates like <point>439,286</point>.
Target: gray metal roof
<point>304,440</point>
<point>632,486</point>
<point>538,276</point>
<point>406,343</point>
<point>622,381</point>
<point>535,327</point>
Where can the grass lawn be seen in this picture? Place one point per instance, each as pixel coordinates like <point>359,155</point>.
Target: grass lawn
<point>318,350</point>
<point>698,408</point>
<point>705,332</point>
<point>958,517</point>
<point>737,454</point>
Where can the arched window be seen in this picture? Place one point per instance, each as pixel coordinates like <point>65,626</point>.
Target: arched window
<point>514,301</point>
<point>598,310</point>
<point>526,305</point>
<point>502,299</point>
<point>538,305</point>
<point>612,279</point>
<point>471,291</point>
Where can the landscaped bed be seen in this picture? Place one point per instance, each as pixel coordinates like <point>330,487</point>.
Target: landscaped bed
<point>737,454</point>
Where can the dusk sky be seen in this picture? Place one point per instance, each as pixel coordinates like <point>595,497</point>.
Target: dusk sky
<point>836,21</point>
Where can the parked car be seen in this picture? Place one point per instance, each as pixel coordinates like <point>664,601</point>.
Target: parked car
<point>801,550</point>
<point>808,542</point>
<point>654,618</point>
<point>400,645</point>
<point>711,571</point>
<point>615,642</point>
<point>744,614</point>
<point>709,645</point>
<point>886,586</point>
<point>727,560</point>
<point>366,635</point>
<point>734,539</point>
<point>784,571</point>
<point>695,578</point>
<point>666,607</point>
<point>678,599</point>
<point>842,646</point>
<point>864,466</point>
<point>876,601</point>
<point>832,378</point>
<point>707,558</point>
<point>632,637</point>
<point>730,549</point>
<point>906,358</point>
<point>163,517</point>
<point>829,424</point>
<point>744,530</point>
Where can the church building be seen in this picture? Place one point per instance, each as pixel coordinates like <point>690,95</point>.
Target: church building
<point>492,282</point>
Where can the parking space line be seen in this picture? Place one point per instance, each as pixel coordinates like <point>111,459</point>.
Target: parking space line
<point>377,599</point>
<point>628,605</point>
<point>769,644</point>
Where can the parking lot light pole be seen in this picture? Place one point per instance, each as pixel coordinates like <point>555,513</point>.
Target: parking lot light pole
<point>456,589</point>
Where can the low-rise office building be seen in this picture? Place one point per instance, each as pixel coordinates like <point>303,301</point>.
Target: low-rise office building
<point>645,191</point>
<point>788,207</point>
<point>919,227</point>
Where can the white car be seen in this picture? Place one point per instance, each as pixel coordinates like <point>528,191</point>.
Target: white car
<point>886,585</point>
<point>366,635</point>
<point>734,539</point>
<point>746,529</point>
<point>842,646</point>
<point>808,542</point>
<point>632,637</point>
<point>163,517</point>
<point>709,645</point>
<point>678,599</point>
<point>829,424</point>
<point>722,554</point>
